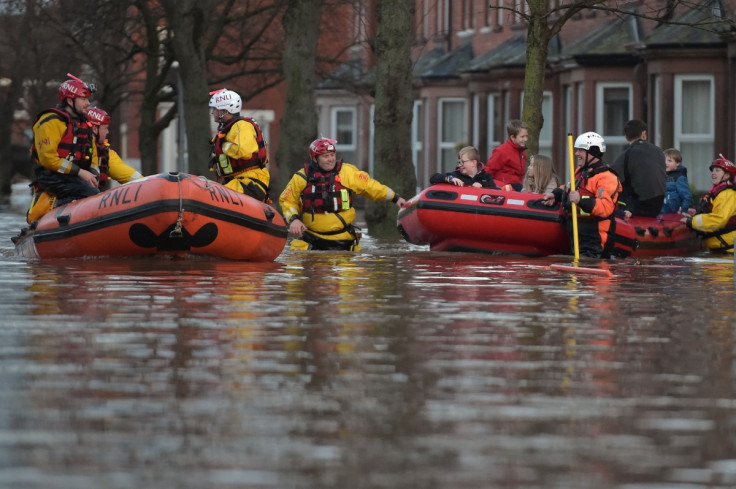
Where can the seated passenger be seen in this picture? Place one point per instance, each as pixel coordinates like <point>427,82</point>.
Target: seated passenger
<point>540,175</point>
<point>678,197</point>
<point>469,172</point>
<point>715,218</point>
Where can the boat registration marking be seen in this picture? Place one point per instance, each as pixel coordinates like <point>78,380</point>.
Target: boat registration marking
<point>468,197</point>
<point>514,202</point>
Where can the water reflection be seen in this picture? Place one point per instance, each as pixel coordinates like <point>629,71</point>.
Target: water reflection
<point>395,367</point>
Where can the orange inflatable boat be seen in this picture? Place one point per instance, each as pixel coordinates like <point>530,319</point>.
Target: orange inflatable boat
<point>167,214</point>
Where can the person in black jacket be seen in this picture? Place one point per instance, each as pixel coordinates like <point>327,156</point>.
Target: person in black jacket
<point>641,170</point>
<point>469,171</point>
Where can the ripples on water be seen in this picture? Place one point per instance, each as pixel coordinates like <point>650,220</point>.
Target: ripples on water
<point>392,368</point>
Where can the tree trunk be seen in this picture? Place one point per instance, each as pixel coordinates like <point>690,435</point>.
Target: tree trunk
<point>188,22</point>
<point>394,103</point>
<point>301,23</point>
<point>537,41</point>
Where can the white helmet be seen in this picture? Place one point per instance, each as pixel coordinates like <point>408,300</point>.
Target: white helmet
<point>227,100</point>
<point>589,140</point>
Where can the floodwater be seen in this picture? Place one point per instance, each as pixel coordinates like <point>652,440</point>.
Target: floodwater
<point>392,368</point>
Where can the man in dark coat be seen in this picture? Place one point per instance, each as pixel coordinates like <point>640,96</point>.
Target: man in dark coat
<point>641,170</point>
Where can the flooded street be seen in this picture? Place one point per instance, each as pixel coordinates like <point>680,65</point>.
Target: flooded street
<point>395,367</point>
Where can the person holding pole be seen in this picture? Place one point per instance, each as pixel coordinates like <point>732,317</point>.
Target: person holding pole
<point>590,201</point>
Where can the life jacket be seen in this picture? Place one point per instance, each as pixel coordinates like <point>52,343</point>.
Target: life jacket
<point>77,140</point>
<point>324,191</point>
<point>236,166</point>
<point>585,193</point>
<point>103,160</point>
<point>706,207</point>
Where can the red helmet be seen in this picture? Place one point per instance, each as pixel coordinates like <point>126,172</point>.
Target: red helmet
<point>722,163</point>
<point>73,88</point>
<point>321,146</point>
<point>97,116</point>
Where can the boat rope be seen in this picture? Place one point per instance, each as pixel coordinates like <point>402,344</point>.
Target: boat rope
<point>176,232</point>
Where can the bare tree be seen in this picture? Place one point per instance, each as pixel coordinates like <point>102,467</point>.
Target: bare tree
<point>541,29</point>
<point>393,112</point>
<point>301,22</point>
<point>31,66</point>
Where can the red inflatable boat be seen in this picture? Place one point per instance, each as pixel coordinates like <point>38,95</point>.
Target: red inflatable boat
<point>167,214</point>
<point>450,218</point>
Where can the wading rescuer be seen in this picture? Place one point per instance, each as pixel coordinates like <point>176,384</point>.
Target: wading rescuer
<point>318,200</point>
<point>63,151</point>
<point>597,189</point>
<point>240,154</point>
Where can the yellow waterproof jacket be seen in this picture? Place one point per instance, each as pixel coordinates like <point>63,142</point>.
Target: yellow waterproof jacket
<point>724,208</point>
<point>47,134</point>
<point>120,171</point>
<point>328,222</point>
<point>241,143</point>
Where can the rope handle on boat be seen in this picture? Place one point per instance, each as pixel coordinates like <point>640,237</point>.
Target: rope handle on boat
<point>176,232</point>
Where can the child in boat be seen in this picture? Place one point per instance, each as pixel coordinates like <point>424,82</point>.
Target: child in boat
<point>715,218</point>
<point>507,162</point>
<point>469,171</point>
<point>677,197</point>
<point>540,175</point>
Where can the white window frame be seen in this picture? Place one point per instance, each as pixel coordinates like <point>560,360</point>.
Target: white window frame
<point>657,93</point>
<point>545,144</point>
<point>342,145</point>
<point>476,120</point>
<point>371,137</point>
<point>705,137</point>
<point>698,180</point>
<point>444,145</point>
<point>493,138</point>
<point>600,88</point>
<point>416,138</point>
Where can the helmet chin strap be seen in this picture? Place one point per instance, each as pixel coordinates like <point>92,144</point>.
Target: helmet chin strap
<point>73,105</point>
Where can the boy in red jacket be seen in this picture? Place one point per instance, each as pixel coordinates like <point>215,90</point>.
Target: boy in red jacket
<point>507,163</point>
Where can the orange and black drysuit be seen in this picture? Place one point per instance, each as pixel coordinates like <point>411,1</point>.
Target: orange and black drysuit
<point>599,188</point>
<point>240,157</point>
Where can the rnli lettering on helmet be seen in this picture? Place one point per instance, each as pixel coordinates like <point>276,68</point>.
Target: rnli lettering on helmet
<point>222,98</point>
<point>70,87</point>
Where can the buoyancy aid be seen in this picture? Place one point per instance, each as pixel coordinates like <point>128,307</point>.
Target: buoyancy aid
<point>324,191</point>
<point>103,160</point>
<point>77,140</point>
<point>586,193</point>
<point>232,167</point>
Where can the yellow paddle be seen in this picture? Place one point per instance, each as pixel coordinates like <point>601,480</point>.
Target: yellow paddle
<point>575,243</point>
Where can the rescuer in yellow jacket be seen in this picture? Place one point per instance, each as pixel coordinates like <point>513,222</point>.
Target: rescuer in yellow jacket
<point>112,166</point>
<point>715,219</point>
<point>239,152</point>
<point>318,200</point>
<point>63,151</point>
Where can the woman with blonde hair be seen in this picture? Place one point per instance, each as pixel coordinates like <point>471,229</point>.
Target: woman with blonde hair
<point>469,171</point>
<point>540,175</point>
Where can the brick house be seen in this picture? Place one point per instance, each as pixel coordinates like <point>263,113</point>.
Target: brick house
<point>603,69</point>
